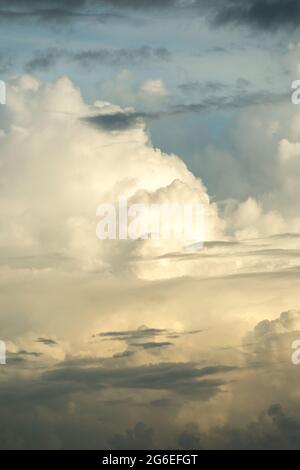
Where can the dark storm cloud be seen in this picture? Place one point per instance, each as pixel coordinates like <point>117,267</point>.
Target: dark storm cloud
<point>190,439</point>
<point>21,398</point>
<point>181,378</point>
<point>259,14</point>
<point>273,429</point>
<point>288,426</point>
<point>163,402</point>
<point>138,437</point>
<point>47,58</point>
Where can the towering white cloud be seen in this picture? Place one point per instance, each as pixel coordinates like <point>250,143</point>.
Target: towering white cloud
<point>57,167</point>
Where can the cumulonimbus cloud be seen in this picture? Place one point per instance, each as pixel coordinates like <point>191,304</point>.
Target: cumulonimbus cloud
<point>57,168</point>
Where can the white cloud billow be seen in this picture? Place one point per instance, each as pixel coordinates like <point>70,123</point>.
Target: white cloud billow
<point>56,168</point>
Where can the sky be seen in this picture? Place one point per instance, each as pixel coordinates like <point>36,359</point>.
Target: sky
<point>143,344</point>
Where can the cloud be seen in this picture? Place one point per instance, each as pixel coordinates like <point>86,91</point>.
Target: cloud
<point>140,338</point>
<point>139,437</point>
<point>198,87</point>
<point>274,430</point>
<point>5,63</point>
<point>190,438</point>
<point>47,341</point>
<point>152,344</point>
<point>214,87</point>
<point>270,342</point>
<point>57,166</point>
<point>121,56</point>
<point>154,104</point>
<point>65,402</point>
<point>47,58</point>
<point>55,12</point>
<point>140,333</point>
<point>42,60</point>
<point>116,122</point>
<point>153,88</point>
<point>33,120</point>
<point>176,378</point>
<point>22,352</point>
<point>257,14</point>
<point>235,101</point>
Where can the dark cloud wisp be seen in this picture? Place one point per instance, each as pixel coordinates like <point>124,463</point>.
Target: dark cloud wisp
<point>44,59</point>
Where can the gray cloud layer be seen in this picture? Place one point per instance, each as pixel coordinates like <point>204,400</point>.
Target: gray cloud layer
<point>44,59</point>
<point>261,14</point>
